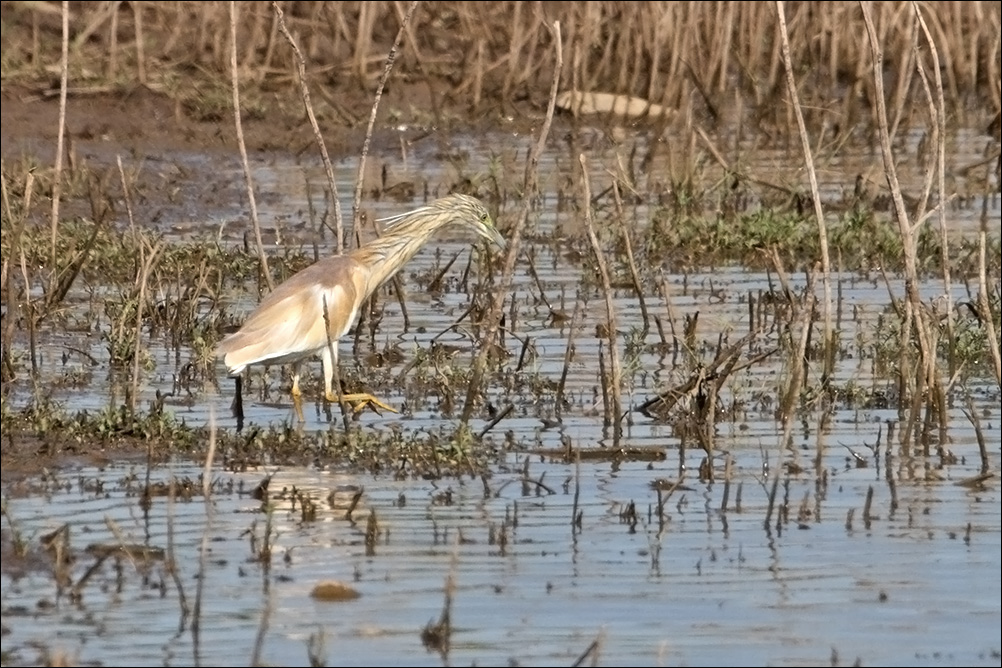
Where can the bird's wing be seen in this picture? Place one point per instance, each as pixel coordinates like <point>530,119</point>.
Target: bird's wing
<point>289,323</point>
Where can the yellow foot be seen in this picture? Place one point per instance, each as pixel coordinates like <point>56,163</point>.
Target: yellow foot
<point>360,400</point>
<point>297,402</point>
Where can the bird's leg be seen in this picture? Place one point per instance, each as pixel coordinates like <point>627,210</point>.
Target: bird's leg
<point>358,400</point>
<point>238,403</point>
<point>295,381</point>
<point>296,393</point>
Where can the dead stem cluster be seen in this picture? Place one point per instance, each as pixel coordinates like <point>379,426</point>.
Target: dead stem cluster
<point>492,55</point>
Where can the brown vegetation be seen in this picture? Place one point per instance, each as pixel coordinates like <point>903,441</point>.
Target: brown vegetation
<point>483,60</point>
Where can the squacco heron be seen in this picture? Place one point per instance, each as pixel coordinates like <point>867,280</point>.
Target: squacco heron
<point>290,323</point>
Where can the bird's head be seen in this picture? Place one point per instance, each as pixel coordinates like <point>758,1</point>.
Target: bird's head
<point>471,213</point>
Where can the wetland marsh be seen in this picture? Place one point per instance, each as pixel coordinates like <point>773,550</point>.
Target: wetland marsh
<point>689,444</point>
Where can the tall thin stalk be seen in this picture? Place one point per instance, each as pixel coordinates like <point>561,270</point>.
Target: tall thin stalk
<point>937,110</point>
<point>387,68</point>
<point>57,179</point>
<point>530,190</point>
<point>913,301</point>
<point>819,214</point>
<point>249,180</point>
<point>148,255</point>
<point>613,412</point>
<point>305,92</point>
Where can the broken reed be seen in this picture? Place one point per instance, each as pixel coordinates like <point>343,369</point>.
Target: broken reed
<point>669,53</point>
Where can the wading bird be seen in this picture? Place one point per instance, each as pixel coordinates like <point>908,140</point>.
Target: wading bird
<point>307,314</point>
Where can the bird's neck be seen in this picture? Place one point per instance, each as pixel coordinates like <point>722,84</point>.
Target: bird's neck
<point>385,256</point>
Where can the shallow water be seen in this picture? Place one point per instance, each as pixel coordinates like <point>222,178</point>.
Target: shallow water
<point>709,585</point>
<point>711,582</point>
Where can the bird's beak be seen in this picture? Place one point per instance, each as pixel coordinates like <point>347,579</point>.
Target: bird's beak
<point>491,234</point>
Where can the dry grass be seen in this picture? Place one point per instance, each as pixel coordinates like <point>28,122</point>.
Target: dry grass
<point>675,54</point>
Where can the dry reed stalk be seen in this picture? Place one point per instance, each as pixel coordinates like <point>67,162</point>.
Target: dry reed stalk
<point>913,306</point>
<point>631,71</point>
<point>532,64</point>
<point>530,189</point>
<point>438,635</point>
<point>604,66</point>
<point>31,312</point>
<point>113,41</point>
<point>972,415</point>
<point>592,652</point>
<point>568,353</point>
<point>137,13</point>
<point>575,512</point>
<point>370,306</point>
<point>478,76</point>
<point>725,31</point>
<point>175,30</point>
<point>983,306</point>
<point>770,507</point>
<point>801,312</point>
<point>867,508</point>
<point>683,32</point>
<point>994,69</point>
<point>728,476</point>
<point>613,412</point>
<point>18,224</point>
<point>6,285</point>
<point>363,38</point>
<point>937,111</point>
<point>819,215</point>
<point>148,256</point>
<point>672,317</point>
<point>269,52</point>
<point>514,46</point>
<point>387,68</point>
<point>250,39</point>
<point>634,274</point>
<point>906,69</point>
<point>305,92</point>
<point>248,179</point>
<point>57,179</point>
